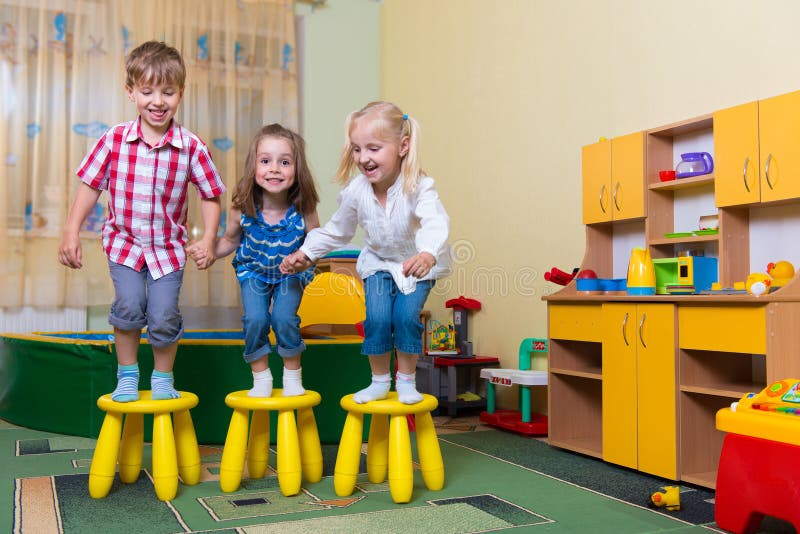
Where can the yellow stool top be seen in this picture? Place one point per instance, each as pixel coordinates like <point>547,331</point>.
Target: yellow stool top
<point>240,399</point>
<point>390,405</point>
<point>146,404</point>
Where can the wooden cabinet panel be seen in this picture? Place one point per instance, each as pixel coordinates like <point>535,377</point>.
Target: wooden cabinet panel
<point>639,387</point>
<point>736,160</point>
<point>779,132</point>
<point>596,172</point>
<point>627,176</point>
<point>578,322</point>
<point>613,179</point>
<point>723,328</point>
<point>619,384</point>
<point>756,156</point>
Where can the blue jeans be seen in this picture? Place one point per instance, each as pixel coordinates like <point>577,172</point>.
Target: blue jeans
<point>258,318</point>
<point>140,301</point>
<point>392,317</point>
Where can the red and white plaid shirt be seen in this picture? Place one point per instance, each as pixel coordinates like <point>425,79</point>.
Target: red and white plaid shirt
<point>147,190</point>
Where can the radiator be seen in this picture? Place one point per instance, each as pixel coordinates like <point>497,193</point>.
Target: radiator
<point>28,319</point>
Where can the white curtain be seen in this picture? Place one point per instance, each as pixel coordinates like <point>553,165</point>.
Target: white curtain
<point>61,86</point>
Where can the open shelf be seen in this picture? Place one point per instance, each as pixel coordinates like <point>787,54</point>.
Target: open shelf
<point>700,442</point>
<point>581,358</point>
<point>578,428</point>
<point>725,374</point>
<point>683,183</point>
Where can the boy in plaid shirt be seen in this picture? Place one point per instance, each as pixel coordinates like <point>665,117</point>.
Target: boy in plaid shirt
<point>145,166</point>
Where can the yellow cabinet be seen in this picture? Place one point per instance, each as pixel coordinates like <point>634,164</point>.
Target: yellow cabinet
<point>639,387</point>
<point>613,179</point>
<point>755,150</point>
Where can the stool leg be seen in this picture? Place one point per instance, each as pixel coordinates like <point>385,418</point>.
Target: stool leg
<point>525,403</point>
<point>401,471</point>
<point>289,472</point>
<point>186,445</point>
<point>165,461</point>
<point>490,397</point>
<point>378,448</point>
<point>104,460</point>
<point>347,459</point>
<point>310,448</point>
<point>430,456</point>
<point>232,464</point>
<point>130,451</point>
<point>258,445</point>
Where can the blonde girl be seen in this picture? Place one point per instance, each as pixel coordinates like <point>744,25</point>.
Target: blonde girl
<point>405,243</point>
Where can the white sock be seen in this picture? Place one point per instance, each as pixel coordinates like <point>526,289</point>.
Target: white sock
<point>406,387</point>
<point>262,384</point>
<point>377,390</point>
<point>293,382</point>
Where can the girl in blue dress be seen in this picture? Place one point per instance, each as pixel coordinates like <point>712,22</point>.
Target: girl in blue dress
<point>273,208</point>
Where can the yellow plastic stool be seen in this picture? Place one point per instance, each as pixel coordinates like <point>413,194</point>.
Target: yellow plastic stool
<point>389,443</point>
<point>172,453</point>
<point>299,451</point>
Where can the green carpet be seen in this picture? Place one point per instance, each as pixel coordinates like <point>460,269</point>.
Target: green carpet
<point>492,483</point>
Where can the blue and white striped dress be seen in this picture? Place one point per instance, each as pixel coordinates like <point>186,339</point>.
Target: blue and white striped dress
<point>263,246</point>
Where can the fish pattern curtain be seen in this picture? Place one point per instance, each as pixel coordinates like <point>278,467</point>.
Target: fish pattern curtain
<point>62,86</point>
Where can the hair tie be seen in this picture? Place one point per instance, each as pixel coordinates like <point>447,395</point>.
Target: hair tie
<point>405,116</point>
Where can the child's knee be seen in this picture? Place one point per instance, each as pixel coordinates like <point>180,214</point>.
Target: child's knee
<point>164,329</point>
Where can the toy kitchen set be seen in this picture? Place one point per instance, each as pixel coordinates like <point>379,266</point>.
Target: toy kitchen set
<point>686,297</point>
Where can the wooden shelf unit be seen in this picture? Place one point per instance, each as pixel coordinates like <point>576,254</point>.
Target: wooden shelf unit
<point>726,345</point>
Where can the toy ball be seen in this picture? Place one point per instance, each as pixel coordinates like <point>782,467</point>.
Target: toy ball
<point>758,283</point>
<point>586,273</point>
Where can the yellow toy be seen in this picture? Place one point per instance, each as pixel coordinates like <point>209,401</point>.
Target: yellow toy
<point>758,284</point>
<point>781,272</point>
<point>670,498</point>
<point>441,336</point>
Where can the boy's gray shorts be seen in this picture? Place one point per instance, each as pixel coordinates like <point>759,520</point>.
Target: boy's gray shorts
<point>140,301</point>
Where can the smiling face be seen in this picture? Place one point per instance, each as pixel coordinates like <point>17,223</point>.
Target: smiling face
<point>378,156</point>
<point>275,166</point>
<point>157,105</point>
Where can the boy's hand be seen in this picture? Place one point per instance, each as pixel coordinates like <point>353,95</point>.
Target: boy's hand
<point>69,251</point>
<point>202,253</point>
<point>419,265</point>
<point>294,262</point>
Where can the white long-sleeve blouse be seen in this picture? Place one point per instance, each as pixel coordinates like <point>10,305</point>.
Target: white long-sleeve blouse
<point>407,225</point>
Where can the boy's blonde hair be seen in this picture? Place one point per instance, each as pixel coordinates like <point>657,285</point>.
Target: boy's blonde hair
<point>391,125</point>
<point>302,194</point>
<point>155,63</point>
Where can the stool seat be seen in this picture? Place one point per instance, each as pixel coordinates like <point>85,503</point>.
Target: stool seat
<point>174,451</point>
<point>389,446</point>
<point>390,405</point>
<point>299,452</point>
<point>146,404</point>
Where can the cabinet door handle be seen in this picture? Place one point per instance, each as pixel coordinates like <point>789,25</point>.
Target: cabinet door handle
<point>616,190</point>
<point>766,170</point>
<point>624,324</point>
<point>602,194</point>
<point>744,173</point>
<point>641,330</point>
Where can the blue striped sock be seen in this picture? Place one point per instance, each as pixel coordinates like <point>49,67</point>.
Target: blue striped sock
<point>127,383</point>
<point>161,386</point>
